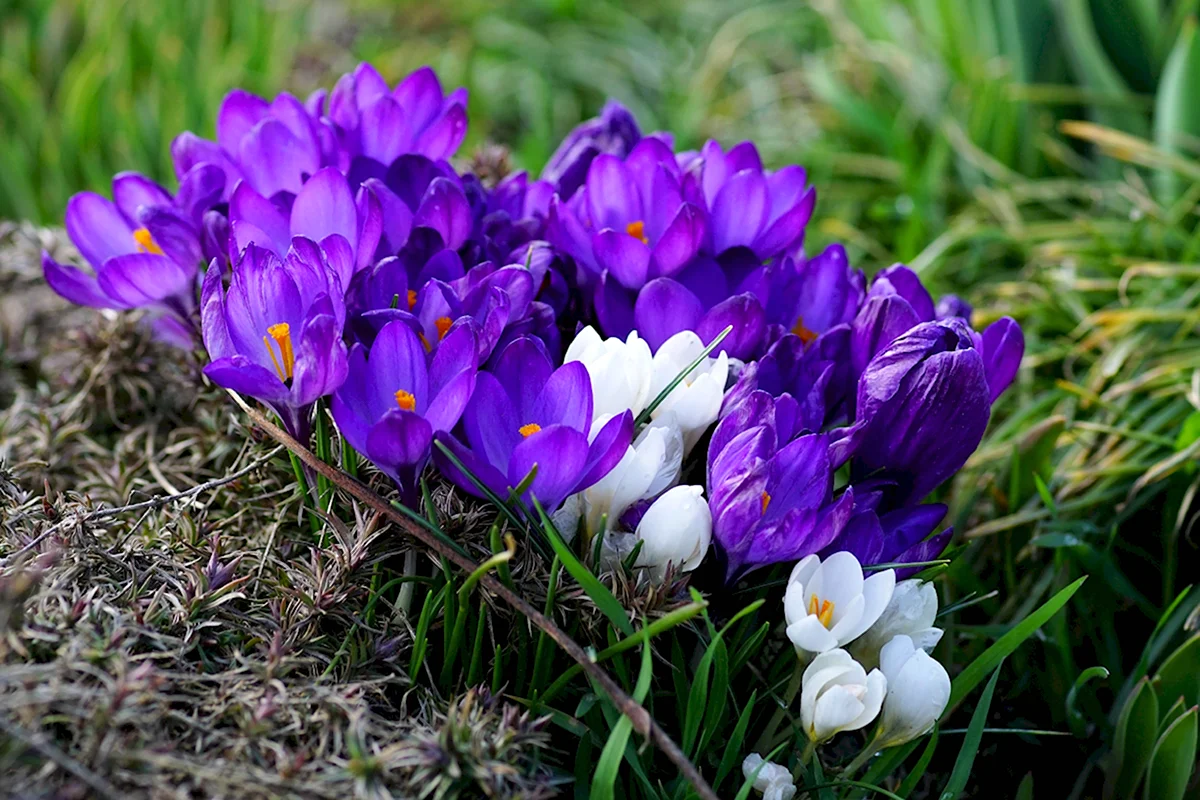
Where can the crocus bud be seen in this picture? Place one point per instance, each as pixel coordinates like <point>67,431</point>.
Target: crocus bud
<point>649,467</point>
<point>837,694</point>
<point>910,613</point>
<point>918,689</point>
<point>696,400</point>
<point>676,529</point>
<point>620,370</point>
<point>773,780</point>
<point>615,131</point>
<point>829,604</point>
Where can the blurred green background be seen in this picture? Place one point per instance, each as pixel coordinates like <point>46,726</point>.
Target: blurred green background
<point>1038,156</point>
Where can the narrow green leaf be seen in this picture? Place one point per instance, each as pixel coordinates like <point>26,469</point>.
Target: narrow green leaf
<point>644,417</point>
<point>918,771</point>
<point>1133,744</point>
<point>1074,716</point>
<point>597,591</point>
<point>970,746</point>
<point>1176,113</point>
<point>733,748</point>
<point>989,659</point>
<point>1179,675</point>
<point>605,777</point>
<point>1174,760</point>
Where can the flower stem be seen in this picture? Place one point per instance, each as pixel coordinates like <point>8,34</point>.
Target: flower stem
<point>862,758</point>
<point>766,742</point>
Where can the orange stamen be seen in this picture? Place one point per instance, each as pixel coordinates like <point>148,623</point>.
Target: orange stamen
<point>766,501</point>
<point>823,609</point>
<point>405,400</point>
<point>442,324</point>
<point>146,243</point>
<point>804,333</point>
<point>285,364</point>
<point>412,299</point>
<point>529,430</point>
<point>638,231</point>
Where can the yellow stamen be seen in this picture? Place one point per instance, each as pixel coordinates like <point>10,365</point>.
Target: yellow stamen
<point>822,608</point>
<point>424,341</point>
<point>804,333</point>
<point>146,243</point>
<point>442,324</point>
<point>405,400</point>
<point>766,500</point>
<point>529,430</point>
<point>638,231</point>
<point>285,364</point>
<point>412,299</point>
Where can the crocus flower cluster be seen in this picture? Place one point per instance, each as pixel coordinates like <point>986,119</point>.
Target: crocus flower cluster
<point>553,341</point>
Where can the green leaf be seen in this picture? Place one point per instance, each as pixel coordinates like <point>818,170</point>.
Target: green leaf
<point>596,590</point>
<point>1173,760</point>
<point>1074,717</point>
<point>1179,675</point>
<point>644,417</point>
<point>1176,113</point>
<point>1189,432</point>
<point>1094,70</point>
<point>1025,790</point>
<point>970,746</point>
<point>989,659</point>
<point>733,747</point>
<point>614,749</point>
<point>918,771</point>
<point>1133,744</point>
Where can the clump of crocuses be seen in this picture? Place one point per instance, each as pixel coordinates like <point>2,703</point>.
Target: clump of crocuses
<point>639,341</point>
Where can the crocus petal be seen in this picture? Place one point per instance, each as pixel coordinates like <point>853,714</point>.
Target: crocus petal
<point>445,209</point>
<point>420,94</point>
<point>245,377</point>
<point>566,399</point>
<point>1003,348</point>
<point>400,439</point>
<point>612,195</point>
<point>325,206</point>
<point>143,279</point>
<point>679,242</point>
<point>384,132</point>
<point>783,234</point>
<point>131,191</point>
<point>614,307</point>
<point>370,227</point>
<point>607,448</point>
<point>739,211</point>
<point>749,322</point>
<point>441,140</point>
<point>491,422</point>
<point>664,308</point>
<point>274,159</point>
<point>560,455</point>
<point>523,368</point>
<point>487,474</point>
<point>75,285</point>
<point>240,111</point>
<point>625,258</point>
<point>249,208</point>
<point>98,229</point>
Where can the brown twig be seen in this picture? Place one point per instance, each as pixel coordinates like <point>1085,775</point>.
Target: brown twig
<point>643,723</point>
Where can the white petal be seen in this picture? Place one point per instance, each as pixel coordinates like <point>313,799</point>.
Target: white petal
<point>847,620</point>
<point>927,638</point>
<point>673,528</point>
<point>839,580</point>
<point>876,691</point>
<point>895,654</point>
<point>793,603</point>
<point>876,592</point>
<point>836,709</point>
<point>805,568</point>
<point>582,344</point>
<point>808,634</point>
<point>916,698</point>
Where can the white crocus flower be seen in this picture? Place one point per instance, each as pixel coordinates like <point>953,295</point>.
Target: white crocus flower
<point>676,529</point>
<point>773,780</point>
<point>620,371</point>
<point>911,612</point>
<point>649,467</point>
<point>829,604</point>
<point>696,401</point>
<point>918,689</point>
<point>837,694</point>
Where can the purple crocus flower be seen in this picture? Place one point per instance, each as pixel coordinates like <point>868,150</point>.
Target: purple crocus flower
<point>922,407</point>
<point>749,207</point>
<point>614,132</point>
<point>525,413</point>
<point>274,146</point>
<point>899,536</point>
<point>416,194</point>
<point>630,221</point>
<point>276,333</point>
<point>771,496</point>
<point>144,249</point>
<point>324,207</point>
<point>811,296</point>
<point>395,399</point>
<point>373,123</point>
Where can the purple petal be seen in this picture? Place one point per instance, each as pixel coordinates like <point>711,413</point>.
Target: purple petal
<point>442,139</point>
<point>420,93</point>
<point>248,207</point>
<point>523,369</point>
<point>490,476</point>
<point>445,209</point>
<point>679,242</point>
<point>397,217</point>
<point>400,439</point>
<point>74,284</point>
<point>560,455</point>
<point>880,322</point>
<point>606,450</point>
<point>143,279</point>
<point>98,229</point>
<point>325,206</point>
<point>612,195</point>
<point>745,314</point>
<point>370,227</point>
<point>240,111</point>
<point>385,134</point>
<point>664,308</point>
<point>131,191</point>
<point>397,361</point>
<point>491,423</point>
<point>200,189</point>
<point>784,234</point>
<point>447,405</point>
<point>614,307</point>
<point>625,258</point>
<point>275,160</point>
<point>321,360</point>
<point>173,234</point>
<point>739,211</point>
<point>1003,348</point>
<point>245,377</point>
<point>566,399</point>
<point>904,282</point>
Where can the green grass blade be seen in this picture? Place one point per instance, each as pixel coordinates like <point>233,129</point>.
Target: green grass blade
<point>970,746</point>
